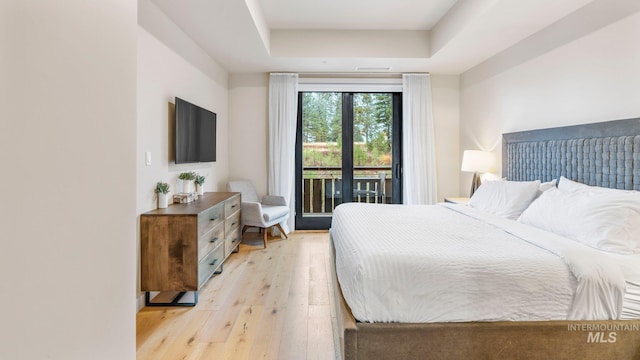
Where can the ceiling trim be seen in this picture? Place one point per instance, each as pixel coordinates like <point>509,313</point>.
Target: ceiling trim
<point>354,84</point>
<point>350,43</point>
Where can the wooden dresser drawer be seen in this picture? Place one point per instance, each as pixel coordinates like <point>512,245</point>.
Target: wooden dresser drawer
<point>232,223</point>
<point>208,265</point>
<point>232,205</point>
<point>210,240</point>
<point>231,241</point>
<point>208,219</point>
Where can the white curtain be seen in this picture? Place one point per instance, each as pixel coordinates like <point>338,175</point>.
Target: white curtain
<point>418,141</point>
<point>283,112</point>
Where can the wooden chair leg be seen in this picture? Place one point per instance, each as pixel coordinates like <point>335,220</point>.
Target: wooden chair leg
<point>282,231</point>
<point>264,237</point>
<point>244,228</point>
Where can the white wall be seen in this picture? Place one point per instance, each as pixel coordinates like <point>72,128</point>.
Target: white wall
<point>156,22</point>
<point>591,79</point>
<point>249,128</point>
<point>445,93</point>
<point>163,75</point>
<point>248,113</point>
<point>67,149</point>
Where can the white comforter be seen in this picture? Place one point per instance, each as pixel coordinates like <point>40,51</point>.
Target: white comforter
<point>448,263</point>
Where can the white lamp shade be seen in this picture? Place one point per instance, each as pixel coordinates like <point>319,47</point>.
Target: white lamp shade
<point>477,161</point>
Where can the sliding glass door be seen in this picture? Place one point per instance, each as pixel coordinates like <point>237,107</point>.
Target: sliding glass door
<point>347,150</point>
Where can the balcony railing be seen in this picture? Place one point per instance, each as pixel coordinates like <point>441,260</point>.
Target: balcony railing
<point>322,187</point>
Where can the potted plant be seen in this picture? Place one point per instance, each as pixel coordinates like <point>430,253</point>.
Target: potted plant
<point>162,189</point>
<point>199,181</point>
<point>185,182</point>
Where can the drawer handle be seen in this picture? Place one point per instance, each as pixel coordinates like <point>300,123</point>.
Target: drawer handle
<point>214,239</point>
<point>214,262</point>
<point>233,223</point>
<point>214,218</point>
<point>234,205</point>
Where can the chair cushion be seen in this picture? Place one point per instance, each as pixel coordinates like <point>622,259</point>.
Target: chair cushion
<point>246,188</point>
<point>271,213</point>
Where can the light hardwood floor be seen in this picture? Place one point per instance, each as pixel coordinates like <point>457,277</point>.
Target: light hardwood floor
<point>266,304</point>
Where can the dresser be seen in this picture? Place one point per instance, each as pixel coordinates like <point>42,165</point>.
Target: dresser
<point>182,246</point>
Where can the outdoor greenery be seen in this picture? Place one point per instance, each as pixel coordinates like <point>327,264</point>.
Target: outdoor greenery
<point>322,130</point>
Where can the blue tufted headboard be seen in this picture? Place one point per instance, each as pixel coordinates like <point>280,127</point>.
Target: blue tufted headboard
<point>605,154</point>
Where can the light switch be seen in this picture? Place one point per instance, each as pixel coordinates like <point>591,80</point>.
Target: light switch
<point>147,158</point>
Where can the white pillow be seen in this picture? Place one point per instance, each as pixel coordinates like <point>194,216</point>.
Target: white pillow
<point>602,220</point>
<point>548,185</point>
<point>505,198</point>
<point>570,185</point>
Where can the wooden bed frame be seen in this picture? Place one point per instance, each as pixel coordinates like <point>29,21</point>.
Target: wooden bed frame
<point>526,156</point>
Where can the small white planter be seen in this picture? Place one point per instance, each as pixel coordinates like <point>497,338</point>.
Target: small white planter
<point>200,189</point>
<point>185,186</point>
<point>163,201</point>
<point>188,186</point>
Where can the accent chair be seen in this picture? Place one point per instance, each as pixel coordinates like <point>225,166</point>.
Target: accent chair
<point>271,211</point>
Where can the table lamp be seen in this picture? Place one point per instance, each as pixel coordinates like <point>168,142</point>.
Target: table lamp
<point>476,161</point>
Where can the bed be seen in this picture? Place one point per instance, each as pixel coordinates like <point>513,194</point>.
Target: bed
<point>444,324</point>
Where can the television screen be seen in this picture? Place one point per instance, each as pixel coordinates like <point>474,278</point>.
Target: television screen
<point>195,133</point>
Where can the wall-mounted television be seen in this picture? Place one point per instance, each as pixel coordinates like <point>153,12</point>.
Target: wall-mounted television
<point>195,133</point>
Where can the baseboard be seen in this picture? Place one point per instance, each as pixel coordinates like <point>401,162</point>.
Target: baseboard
<point>140,302</point>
